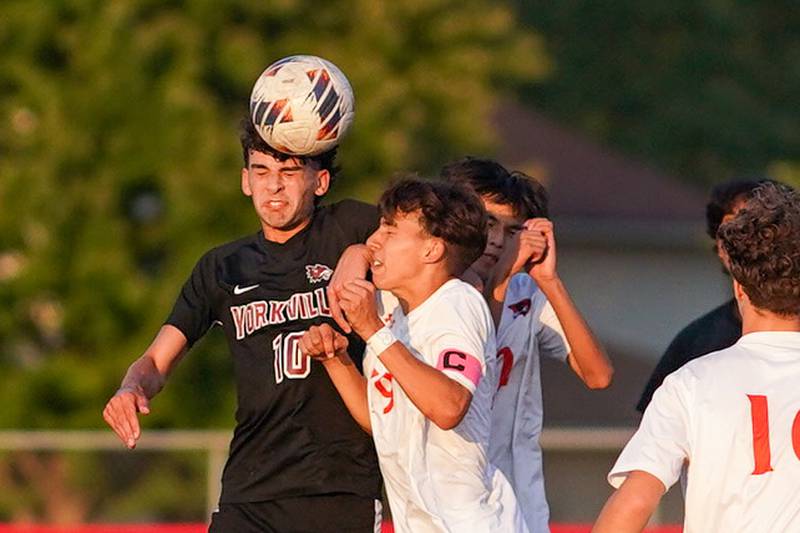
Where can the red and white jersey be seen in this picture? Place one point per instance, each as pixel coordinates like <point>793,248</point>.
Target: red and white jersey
<point>734,418</point>
<point>440,480</point>
<point>528,331</point>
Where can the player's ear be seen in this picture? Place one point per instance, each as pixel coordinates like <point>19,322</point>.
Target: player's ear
<point>740,294</point>
<point>323,182</point>
<point>246,182</point>
<point>434,250</point>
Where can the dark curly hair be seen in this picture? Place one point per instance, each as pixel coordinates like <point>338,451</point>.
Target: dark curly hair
<point>763,246</point>
<point>724,198</point>
<point>489,179</point>
<point>451,212</point>
<point>251,140</point>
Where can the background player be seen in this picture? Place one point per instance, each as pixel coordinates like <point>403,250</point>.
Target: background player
<point>720,327</point>
<point>297,461</point>
<point>536,316</point>
<point>426,396</point>
<point>731,415</point>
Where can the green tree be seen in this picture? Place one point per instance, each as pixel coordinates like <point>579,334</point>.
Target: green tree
<point>704,89</point>
<point>119,164</point>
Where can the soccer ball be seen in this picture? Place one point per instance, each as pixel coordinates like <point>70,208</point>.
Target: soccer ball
<point>302,105</point>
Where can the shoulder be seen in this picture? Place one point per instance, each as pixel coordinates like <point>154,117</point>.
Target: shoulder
<point>706,368</point>
<point>220,252</point>
<point>458,301</point>
<point>344,209</point>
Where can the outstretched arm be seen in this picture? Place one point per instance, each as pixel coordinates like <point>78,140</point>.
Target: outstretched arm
<point>631,505</point>
<point>328,346</point>
<point>144,379</point>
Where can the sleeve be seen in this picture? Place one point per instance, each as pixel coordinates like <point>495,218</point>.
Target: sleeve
<point>661,444</point>
<point>193,312</point>
<point>359,218</point>
<point>551,338</point>
<point>458,347</point>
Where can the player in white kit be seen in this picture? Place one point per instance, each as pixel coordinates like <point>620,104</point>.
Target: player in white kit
<point>427,394</point>
<point>731,417</point>
<point>536,317</point>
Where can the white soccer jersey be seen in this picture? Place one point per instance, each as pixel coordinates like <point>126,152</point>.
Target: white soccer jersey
<point>437,480</point>
<point>734,417</point>
<point>529,330</point>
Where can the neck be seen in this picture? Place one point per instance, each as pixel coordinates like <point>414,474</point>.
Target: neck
<point>754,320</point>
<point>419,289</point>
<point>281,235</point>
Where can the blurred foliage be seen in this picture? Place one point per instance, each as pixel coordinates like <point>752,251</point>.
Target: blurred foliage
<point>704,89</point>
<point>119,164</point>
<point>119,167</point>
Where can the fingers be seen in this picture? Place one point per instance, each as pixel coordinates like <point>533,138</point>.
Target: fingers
<point>311,342</point>
<point>120,414</point>
<point>336,309</point>
<point>322,342</point>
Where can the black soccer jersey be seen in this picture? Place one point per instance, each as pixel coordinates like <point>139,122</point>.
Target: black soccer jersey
<point>294,435</point>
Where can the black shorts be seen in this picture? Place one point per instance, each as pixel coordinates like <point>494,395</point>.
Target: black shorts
<point>345,513</point>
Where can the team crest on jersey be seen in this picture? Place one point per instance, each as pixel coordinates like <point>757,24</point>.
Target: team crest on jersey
<point>521,308</point>
<point>317,272</point>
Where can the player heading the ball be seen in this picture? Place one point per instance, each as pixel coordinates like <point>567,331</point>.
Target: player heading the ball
<point>427,389</point>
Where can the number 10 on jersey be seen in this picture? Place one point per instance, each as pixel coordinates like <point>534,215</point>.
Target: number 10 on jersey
<point>290,361</point>
<point>762,455</point>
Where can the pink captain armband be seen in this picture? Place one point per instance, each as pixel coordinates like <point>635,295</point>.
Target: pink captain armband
<point>456,361</point>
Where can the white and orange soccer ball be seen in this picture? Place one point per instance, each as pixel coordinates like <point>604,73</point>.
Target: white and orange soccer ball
<point>302,105</point>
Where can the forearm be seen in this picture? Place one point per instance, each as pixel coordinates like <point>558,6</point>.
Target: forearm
<point>587,357</point>
<point>149,373</point>
<point>630,507</point>
<point>352,387</point>
<point>439,398</point>
<point>143,376</point>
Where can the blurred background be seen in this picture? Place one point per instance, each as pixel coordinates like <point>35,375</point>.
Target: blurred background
<point>120,161</point>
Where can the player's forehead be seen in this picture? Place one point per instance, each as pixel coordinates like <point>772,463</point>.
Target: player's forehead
<point>261,159</point>
<point>503,213</point>
<point>406,222</point>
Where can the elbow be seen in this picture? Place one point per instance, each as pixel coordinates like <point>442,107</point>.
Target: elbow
<point>451,413</point>
<point>600,380</point>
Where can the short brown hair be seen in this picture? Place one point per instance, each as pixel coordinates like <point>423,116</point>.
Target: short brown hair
<point>763,246</point>
<point>451,212</point>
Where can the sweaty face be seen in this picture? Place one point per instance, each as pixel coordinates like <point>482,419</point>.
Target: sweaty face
<point>397,248</point>
<point>283,193</point>
<point>503,225</point>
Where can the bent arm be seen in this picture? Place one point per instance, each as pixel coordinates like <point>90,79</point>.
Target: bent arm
<point>587,357</point>
<point>441,399</point>
<point>630,507</point>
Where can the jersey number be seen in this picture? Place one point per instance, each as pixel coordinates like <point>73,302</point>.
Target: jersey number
<point>761,451</point>
<point>290,361</point>
<point>507,356</point>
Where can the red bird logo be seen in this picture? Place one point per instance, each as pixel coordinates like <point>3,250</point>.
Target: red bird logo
<point>316,273</point>
<point>521,308</point>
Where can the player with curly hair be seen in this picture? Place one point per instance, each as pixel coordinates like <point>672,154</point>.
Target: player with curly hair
<point>732,418</point>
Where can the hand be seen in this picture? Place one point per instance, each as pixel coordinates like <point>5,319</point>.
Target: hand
<point>353,264</point>
<point>532,243</point>
<point>544,269</point>
<point>526,247</point>
<point>323,342</point>
<point>358,303</point>
<point>120,414</point>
